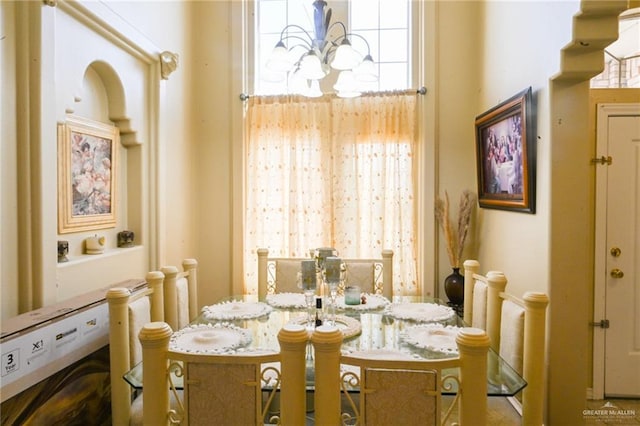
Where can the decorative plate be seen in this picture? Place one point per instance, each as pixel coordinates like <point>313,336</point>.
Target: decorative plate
<point>287,300</point>
<point>373,302</point>
<point>209,339</point>
<point>233,310</point>
<point>420,312</point>
<point>432,337</point>
<point>348,326</point>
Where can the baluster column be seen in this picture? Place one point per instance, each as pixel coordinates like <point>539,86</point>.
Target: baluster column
<point>118,299</point>
<point>326,344</point>
<point>534,352</point>
<point>473,345</point>
<point>293,340</point>
<point>154,338</point>
<point>470,267</point>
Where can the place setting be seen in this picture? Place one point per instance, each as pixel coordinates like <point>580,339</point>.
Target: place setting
<point>221,338</point>
<point>287,300</point>
<point>420,312</point>
<point>436,338</point>
<point>236,310</point>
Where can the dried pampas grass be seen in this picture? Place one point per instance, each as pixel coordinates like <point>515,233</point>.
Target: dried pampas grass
<point>455,237</point>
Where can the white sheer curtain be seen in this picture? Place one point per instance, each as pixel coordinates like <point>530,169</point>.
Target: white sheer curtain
<point>331,172</point>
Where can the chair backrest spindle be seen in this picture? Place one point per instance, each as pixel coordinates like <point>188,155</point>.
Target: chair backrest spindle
<point>517,329</point>
<point>127,314</point>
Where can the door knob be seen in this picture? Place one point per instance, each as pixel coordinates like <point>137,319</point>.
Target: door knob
<point>615,251</point>
<point>617,273</point>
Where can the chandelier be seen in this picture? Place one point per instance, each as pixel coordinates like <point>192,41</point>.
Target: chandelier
<point>311,57</point>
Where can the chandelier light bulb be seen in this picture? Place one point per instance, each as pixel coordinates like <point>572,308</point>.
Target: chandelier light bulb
<point>298,84</point>
<point>311,67</point>
<point>279,60</point>
<point>321,51</point>
<point>346,57</point>
<point>314,89</point>
<point>366,72</point>
<point>346,86</point>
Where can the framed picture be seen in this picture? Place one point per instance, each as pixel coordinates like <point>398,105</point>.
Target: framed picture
<point>506,154</point>
<point>87,173</point>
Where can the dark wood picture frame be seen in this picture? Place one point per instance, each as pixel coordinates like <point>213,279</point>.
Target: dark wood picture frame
<point>506,155</point>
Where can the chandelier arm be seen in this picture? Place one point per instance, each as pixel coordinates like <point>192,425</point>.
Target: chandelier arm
<point>284,30</point>
<point>306,44</point>
<point>363,39</point>
<point>344,30</point>
<point>334,44</point>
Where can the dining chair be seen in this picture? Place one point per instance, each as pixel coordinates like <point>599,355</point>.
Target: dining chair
<point>517,329</point>
<point>181,294</point>
<point>226,387</point>
<point>399,390</point>
<point>371,275</point>
<point>279,275</point>
<point>128,312</point>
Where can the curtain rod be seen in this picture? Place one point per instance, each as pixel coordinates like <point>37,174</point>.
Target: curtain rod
<point>421,91</point>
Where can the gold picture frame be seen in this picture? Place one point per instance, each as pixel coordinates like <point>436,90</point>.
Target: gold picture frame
<point>87,175</point>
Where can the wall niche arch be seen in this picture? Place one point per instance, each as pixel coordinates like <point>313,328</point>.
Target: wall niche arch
<point>102,97</point>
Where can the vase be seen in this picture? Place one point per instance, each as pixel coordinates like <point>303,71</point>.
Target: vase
<point>454,287</point>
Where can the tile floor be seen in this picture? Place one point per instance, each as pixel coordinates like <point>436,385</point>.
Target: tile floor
<point>611,411</point>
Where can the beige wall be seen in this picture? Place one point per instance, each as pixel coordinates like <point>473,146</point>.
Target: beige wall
<point>216,98</point>
<point>457,58</point>
<point>517,53</point>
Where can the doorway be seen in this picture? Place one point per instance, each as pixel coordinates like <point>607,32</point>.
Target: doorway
<point>617,245</point>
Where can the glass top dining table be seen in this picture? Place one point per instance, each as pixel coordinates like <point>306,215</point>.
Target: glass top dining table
<point>376,328</point>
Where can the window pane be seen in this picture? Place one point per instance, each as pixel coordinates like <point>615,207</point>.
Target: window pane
<point>371,37</point>
<point>393,76</point>
<point>272,16</point>
<point>301,13</point>
<point>393,14</point>
<point>364,14</point>
<point>393,46</point>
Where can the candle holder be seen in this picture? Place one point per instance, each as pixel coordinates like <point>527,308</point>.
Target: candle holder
<point>333,274</point>
<point>125,238</point>
<point>322,254</point>
<point>95,244</point>
<point>352,295</point>
<point>307,281</point>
